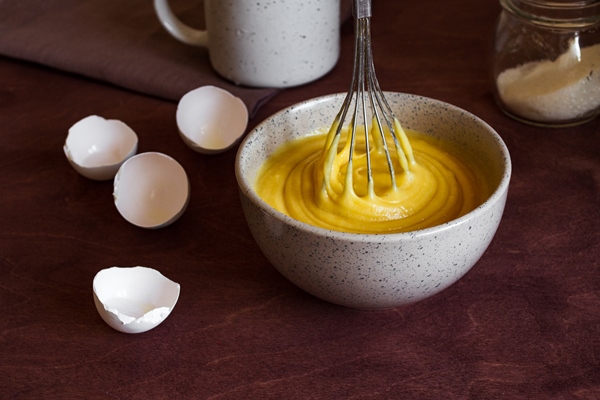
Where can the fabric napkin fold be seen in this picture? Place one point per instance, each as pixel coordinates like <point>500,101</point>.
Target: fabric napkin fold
<point>115,41</point>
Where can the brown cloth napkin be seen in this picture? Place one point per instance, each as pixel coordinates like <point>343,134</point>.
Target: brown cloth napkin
<point>115,41</point>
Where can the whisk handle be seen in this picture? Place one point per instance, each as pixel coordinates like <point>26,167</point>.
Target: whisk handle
<point>361,8</point>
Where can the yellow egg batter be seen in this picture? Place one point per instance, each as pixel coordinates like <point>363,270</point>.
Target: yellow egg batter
<point>434,183</point>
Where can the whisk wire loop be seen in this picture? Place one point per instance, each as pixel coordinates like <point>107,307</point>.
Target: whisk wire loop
<point>368,102</point>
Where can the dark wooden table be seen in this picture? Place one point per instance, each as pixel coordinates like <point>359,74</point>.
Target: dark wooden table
<point>522,324</point>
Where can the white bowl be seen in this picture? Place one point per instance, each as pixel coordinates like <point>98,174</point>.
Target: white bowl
<point>374,271</point>
<point>151,190</point>
<point>134,299</point>
<point>97,147</point>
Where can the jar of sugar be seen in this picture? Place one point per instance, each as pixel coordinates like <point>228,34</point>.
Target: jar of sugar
<point>546,61</point>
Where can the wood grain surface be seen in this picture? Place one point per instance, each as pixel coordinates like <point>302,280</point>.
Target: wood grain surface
<point>522,324</point>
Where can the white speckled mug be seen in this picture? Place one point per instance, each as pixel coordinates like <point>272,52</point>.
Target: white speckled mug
<point>281,43</point>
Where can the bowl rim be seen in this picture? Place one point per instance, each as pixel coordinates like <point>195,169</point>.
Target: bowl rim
<point>499,192</point>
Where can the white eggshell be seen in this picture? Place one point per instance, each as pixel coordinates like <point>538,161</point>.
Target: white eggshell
<point>134,299</point>
<point>97,147</point>
<point>210,119</point>
<point>151,190</point>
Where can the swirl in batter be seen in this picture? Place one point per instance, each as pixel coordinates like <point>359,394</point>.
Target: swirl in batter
<point>434,182</point>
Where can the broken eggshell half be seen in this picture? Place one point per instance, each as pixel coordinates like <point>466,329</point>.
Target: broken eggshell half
<point>134,299</point>
<point>151,190</point>
<point>96,147</point>
<point>210,119</point>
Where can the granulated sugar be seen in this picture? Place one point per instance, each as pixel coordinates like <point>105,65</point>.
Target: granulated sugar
<point>553,91</point>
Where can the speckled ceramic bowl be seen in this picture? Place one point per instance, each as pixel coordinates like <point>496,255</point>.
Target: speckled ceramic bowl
<point>367,271</point>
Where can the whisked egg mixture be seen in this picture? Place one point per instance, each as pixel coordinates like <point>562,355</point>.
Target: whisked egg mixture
<point>435,183</point>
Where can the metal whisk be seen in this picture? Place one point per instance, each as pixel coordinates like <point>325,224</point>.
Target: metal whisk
<point>369,101</point>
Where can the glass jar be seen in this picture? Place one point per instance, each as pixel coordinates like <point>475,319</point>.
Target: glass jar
<point>546,61</point>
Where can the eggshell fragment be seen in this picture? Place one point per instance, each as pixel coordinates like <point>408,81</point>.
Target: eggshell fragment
<point>134,299</point>
<point>97,147</point>
<point>151,190</point>
<point>210,119</point>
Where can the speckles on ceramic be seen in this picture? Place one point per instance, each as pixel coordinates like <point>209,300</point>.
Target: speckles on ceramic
<point>374,271</point>
<point>278,43</point>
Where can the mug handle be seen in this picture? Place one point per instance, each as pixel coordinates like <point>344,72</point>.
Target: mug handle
<point>178,29</point>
